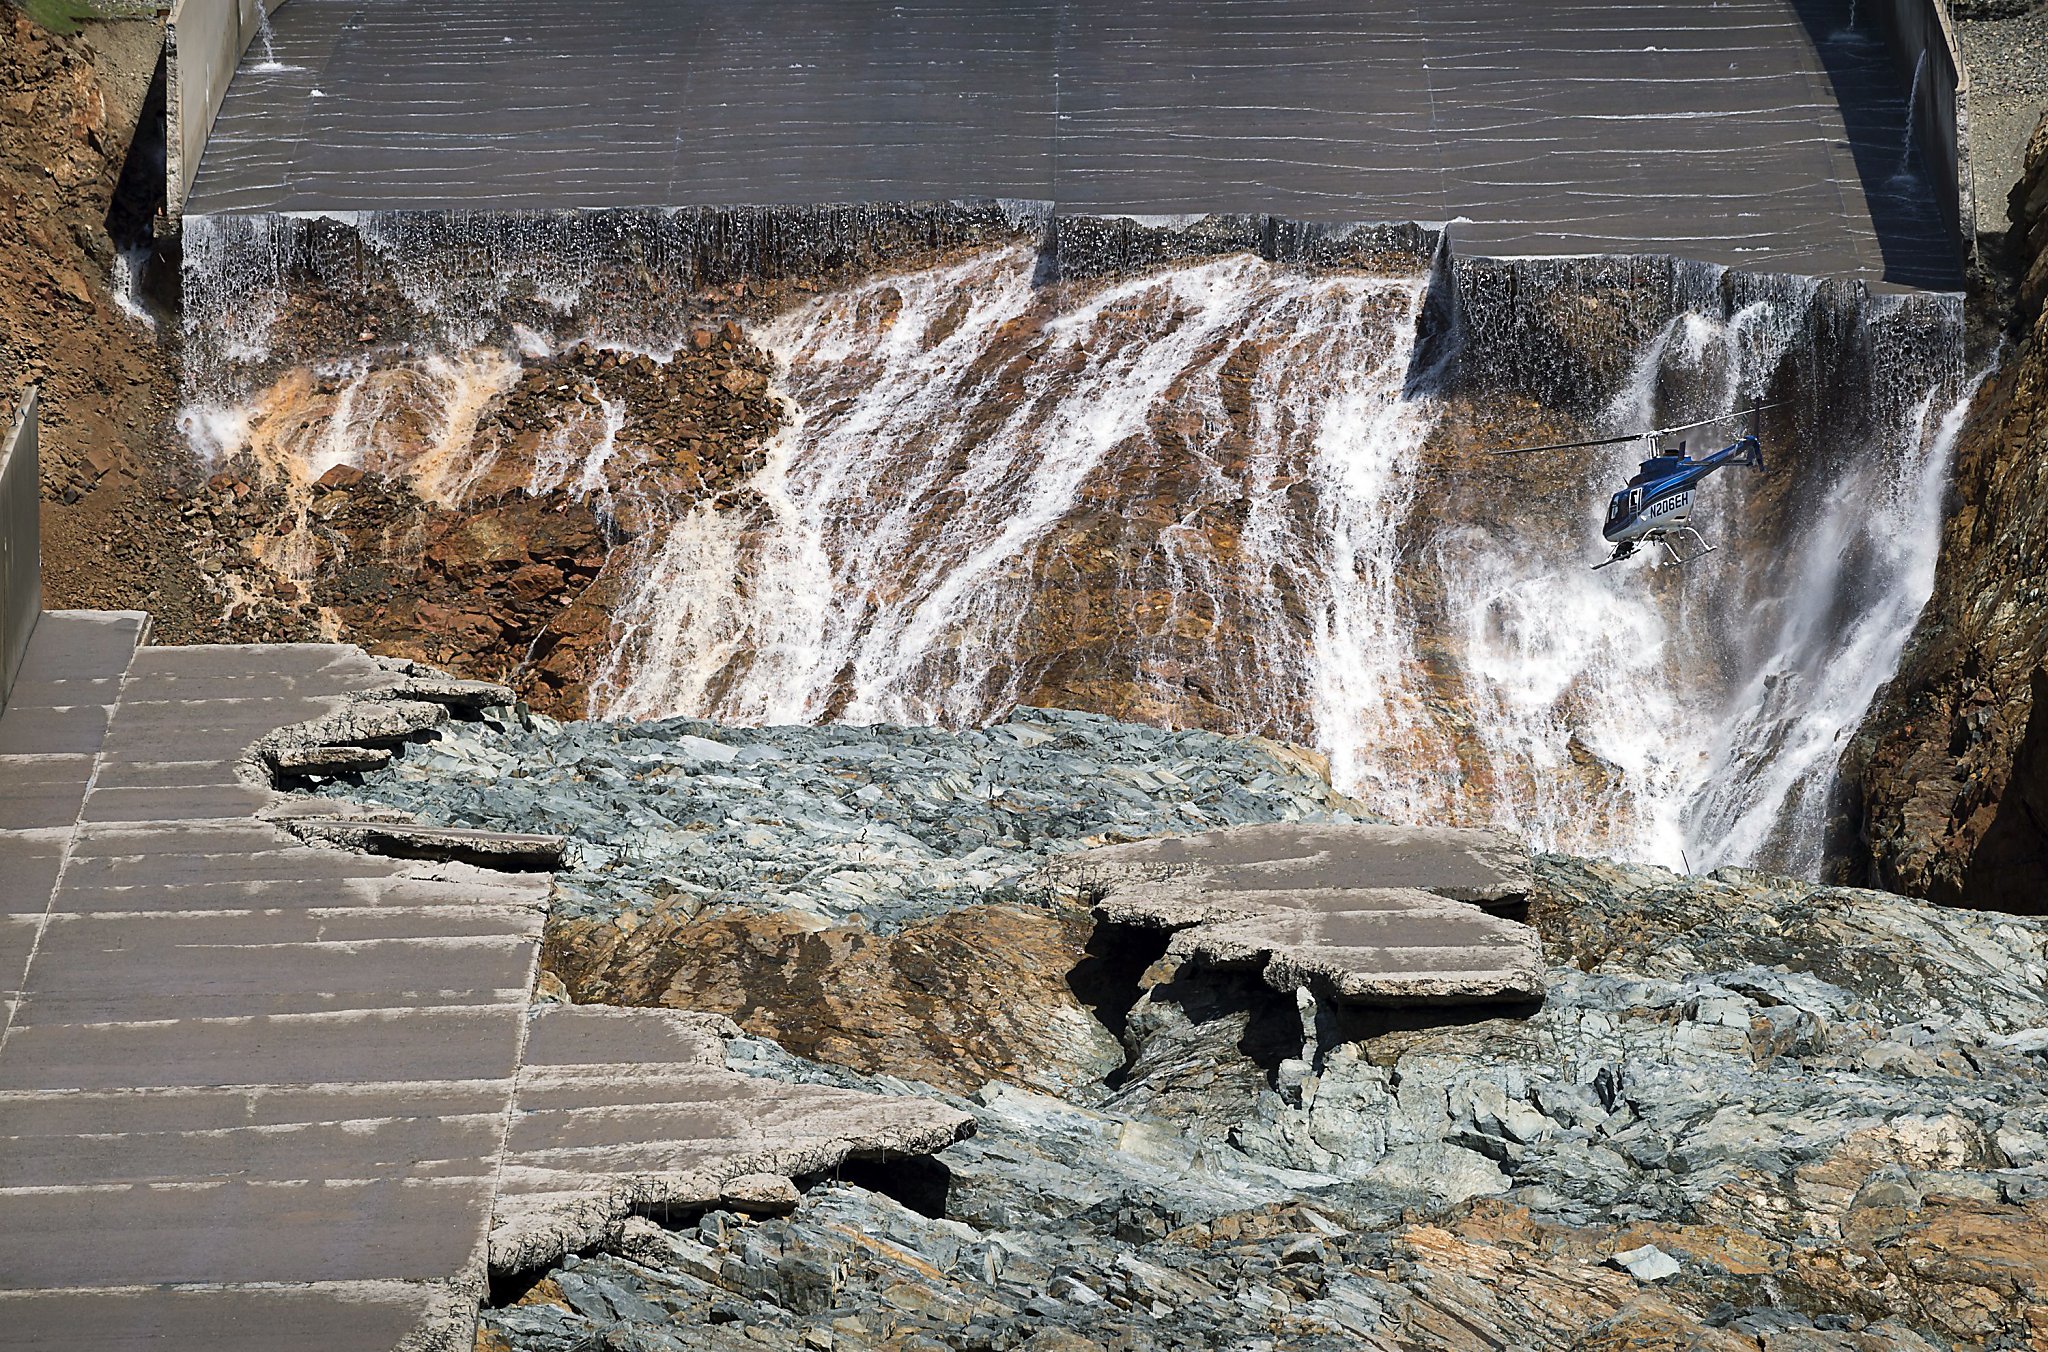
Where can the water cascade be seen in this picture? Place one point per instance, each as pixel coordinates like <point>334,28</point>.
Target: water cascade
<point>1201,474</point>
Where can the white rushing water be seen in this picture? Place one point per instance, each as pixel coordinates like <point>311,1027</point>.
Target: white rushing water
<point>956,440</point>
<point>909,507</point>
<point>1204,496</point>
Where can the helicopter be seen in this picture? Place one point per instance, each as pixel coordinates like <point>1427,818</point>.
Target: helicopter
<point>1655,505</point>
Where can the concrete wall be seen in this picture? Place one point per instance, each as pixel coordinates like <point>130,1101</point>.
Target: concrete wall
<point>203,44</point>
<point>21,550</point>
<point>1930,62</point>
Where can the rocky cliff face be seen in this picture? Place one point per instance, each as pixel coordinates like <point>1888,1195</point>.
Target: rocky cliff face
<point>1749,1113</point>
<point>1951,771</point>
<point>467,512</point>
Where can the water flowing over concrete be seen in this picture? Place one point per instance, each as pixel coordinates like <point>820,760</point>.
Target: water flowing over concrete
<point>1740,133</point>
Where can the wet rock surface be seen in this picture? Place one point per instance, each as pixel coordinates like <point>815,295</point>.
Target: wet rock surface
<point>464,510</point>
<point>1749,1112</point>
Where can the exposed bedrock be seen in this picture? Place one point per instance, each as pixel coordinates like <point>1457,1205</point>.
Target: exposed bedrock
<point>1747,1112</point>
<point>1812,1152</point>
<point>1949,791</point>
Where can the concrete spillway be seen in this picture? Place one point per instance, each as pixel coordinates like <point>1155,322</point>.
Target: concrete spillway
<point>1765,134</point>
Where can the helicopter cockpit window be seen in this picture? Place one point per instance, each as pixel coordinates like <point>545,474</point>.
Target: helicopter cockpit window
<point>1616,507</point>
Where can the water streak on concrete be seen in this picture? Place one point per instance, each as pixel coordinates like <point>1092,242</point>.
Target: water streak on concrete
<point>1740,133</point>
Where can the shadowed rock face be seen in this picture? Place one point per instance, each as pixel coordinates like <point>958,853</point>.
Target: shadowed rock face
<point>1950,779</point>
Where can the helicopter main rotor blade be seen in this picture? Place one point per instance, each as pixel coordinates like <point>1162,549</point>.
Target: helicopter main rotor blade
<point>1573,445</point>
<point>1636,436</point>
<point>1709,422</point>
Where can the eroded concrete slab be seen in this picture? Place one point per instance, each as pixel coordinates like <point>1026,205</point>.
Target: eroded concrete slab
<point>621,1110</point>
<point>1363,914</point>
<point>1490,868</point>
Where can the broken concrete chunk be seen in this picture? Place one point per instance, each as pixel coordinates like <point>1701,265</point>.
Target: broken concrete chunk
<point>469,696</point>
<point>621,1111</point>
<point>329,760</point>
<point>1361,914</point>
<point>1647,1264</point>
<point>1376,947</point>
<point>1486,867</point>
<point>760,1195</point>
<point>510,852</point>
<point>364,722</point>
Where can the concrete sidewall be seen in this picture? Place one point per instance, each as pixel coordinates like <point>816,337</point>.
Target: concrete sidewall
<point>21,555</point>
<point>203,44</point>
<point>1922,42</point>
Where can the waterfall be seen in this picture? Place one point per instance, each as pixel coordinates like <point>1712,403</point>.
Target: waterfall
<point>268,64</point>
<point>914,550</point>
<point>956,437</point>
<point>1184,474</point>
<point>1764,789</point>
<point>1907,138</point>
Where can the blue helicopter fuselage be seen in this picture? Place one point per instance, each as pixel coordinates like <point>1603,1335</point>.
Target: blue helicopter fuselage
<point>1658,499</point>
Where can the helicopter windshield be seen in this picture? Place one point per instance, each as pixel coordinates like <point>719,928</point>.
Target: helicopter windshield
<point>1617,508</point>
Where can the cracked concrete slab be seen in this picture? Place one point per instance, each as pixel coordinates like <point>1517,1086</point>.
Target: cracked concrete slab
<point>256,1090</point>
<point>1363,914</point>
<point>623,1110</point>
<point>1490,868</point>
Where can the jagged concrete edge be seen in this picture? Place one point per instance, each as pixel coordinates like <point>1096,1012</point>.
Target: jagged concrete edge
<point>499,850</point>
<point>534,1242</point>
<point>1289,968</point>
<point>448,1324</point>
<point>417,700</point>
<point>1094,880</point>
<point>552,1229</point>
<point>1217,942</point>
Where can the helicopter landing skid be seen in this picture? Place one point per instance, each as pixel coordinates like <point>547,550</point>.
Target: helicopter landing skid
<point>1682,559</point>
<point>1628,547</point>
<point>1621,551</point>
